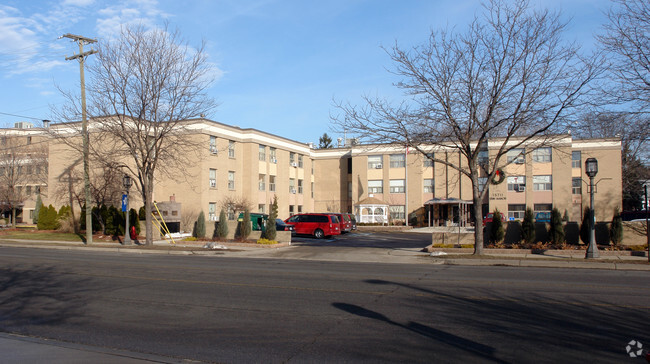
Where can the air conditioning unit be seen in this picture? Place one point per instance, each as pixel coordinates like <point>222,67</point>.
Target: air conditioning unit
<point>292,190</point>
<point>213,183</point>
<point>378,166</point>
<point>274,160</point>
<point>213,217</point>
<point>519,161</point>
<point>522,188</point>
<point>294,164</point>
<point>213,149</point>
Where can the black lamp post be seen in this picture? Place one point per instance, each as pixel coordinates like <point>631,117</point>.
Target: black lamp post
<point>591,168</point>
<point>126,180</point>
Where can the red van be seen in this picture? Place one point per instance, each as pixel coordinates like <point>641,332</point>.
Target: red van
<point>344,220</point>
<point>318,225</point>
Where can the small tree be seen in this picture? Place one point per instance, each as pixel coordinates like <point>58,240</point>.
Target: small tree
<point>245,226</point>
<point>270,232</point>
<point>142,214</point>
<point>199,226</point>
<point>48,219</point>
<point>584,226</point>
<point>616,228</point>
<point>497,233</point>
<point>528,227</point>
<point>37,208</point>
<point>556,230</point>
<point>325,142</point>
<point>222,225</point>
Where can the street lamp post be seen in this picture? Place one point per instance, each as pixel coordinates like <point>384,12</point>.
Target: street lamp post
<point>591,168</point>
<point>127,185</point>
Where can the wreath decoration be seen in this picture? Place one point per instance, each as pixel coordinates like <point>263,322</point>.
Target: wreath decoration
<point>499,177</point>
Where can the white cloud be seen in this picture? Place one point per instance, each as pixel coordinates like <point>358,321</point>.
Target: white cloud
<point>81,3</point>
<point>129,12</point>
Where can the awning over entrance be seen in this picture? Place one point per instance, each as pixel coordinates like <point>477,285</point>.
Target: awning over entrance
<point>371,210</point>
<point>448,211</point>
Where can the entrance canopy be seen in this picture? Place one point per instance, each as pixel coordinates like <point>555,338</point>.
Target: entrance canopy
<point>371,210</point>
<point>448,211</point>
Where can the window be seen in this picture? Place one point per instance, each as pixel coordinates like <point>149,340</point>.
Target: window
<point>482,181</point>
<point>37,190</point>
<point>428,162</point>
<point>542,207</point>
<point>291,213</point>
<point>576,186</point>
<point>396,186</point>
<point>261,185</point>
<point>212,211</point>
<point>312,190</point>
<point>516,211</point>
<point>397,161</point>
<point>299,208</point>
<point>292,158</point>
<point>375,186</point>
<point>28,190</point>
<point>213,178</point>
<point>300,186</point>
<point>262,153</point>
<point>516,156</point>
<point>542,155</point>
<point>516,182</point>
<point>299,161</point>
<point>576,158</point>
<point>231,213</point>
<point>375,162</point>
<point>231,181</point>
<point>292,185</point>
<point>213,144</point>
<point>175,213</point>
<point>349,189</point>
<point>542,183</point>
<point>397,212</point>
<point>29,169</point>
<point>272,183</point>
<point>428,186</point>
<point>261,208</point>
<point>231,149</point>
<point>29,140</point>
<point>272,157</point>
<point>483,156</point>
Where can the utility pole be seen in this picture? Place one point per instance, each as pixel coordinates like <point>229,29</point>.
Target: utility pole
<point>84,125</point>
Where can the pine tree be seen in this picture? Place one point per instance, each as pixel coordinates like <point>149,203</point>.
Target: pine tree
<point>245,226</point>
<point>37,208</point>
<point>48,218</point>
<point>134,221</point>
<point>497,233</point>
<point>616,228</point>
<point>222,225</point>
<point>528,227</point>
<point>584,226</point>
<point>270,232</point>
<point>142,214</point>
<point>556,229</point>
<point>199,227</point>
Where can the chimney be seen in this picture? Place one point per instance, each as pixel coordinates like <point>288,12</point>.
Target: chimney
<point>172,198</point>
<point>46,124</point>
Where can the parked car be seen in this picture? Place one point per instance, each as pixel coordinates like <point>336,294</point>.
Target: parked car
<point>353,220</point>
<point>318,225</point>
<point>345,222</point>
<point>490,216</point>
<point>543,217</point>
<point>282,226</point>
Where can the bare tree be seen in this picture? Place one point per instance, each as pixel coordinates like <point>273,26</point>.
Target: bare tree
<point>235,204</point>
<point>23,166</point>
<point>509,78</point>
<point>144,87</point>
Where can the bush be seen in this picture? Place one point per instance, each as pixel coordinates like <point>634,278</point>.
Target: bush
<point>497,233</point>
<point>199,226</point>
<point>616,228</point>
<point>37,208</point>
<point>584,226</point>
<point>245,226</point>
<point>266,241</point>
<point>48,219</point>
<point>556,229</point>
<point>270,233</point>
<point>528,227</point>
<point>142,215</point>
<point>221,228</point>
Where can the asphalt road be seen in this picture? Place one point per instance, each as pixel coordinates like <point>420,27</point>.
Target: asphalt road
<point>221,309</point>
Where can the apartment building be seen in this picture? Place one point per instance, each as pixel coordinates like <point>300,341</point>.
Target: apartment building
<point>376,182</point>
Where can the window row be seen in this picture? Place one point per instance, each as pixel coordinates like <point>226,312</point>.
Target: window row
<point>517,211</point>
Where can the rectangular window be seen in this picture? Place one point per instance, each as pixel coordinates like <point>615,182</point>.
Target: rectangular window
<point>300,161</point>
<point>300,186</point>
<point>231,180</point>
<point>261,184</point>
<point>516,211</point>
<point>29,169</point>
<point>292,159</point>
<point>349,189</point>
<point>272,183</point>
<point>291,213</point>
<point>231,149</point>
<point>272,156</point>
<point>262,153</point>
<point>28,190</point>
<point>29,140</point>
<point>397,161</point>
<point>576,186</point>
<point>542,183</point>
<point>396,186</point>
<point>292,185</point>
<point>213,144</point>
<point>261,208</point>
<point>483,157</point>
<point>375,162</point>
<point>542,207</point>
<point>428,160</point>
<point>299,208</point>
<point>542,155</point>
<point>376,186</point>
<point>516,156</point>
<point>37,190</point>
<point>576,158</point>
<point>213,178</point>
<point>397,212</point>
<point>515,183</point>
<point>482,181</point>
<point>428,185</point>
<point>212,211</point>
<point>231,213</point>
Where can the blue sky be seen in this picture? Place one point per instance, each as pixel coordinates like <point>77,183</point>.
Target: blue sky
<point>280,64</point>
